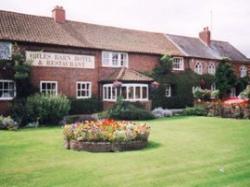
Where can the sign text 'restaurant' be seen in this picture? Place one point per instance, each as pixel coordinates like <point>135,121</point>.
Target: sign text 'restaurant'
<point>38,58</point>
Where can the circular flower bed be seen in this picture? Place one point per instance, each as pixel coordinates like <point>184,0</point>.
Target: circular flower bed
<point>106,135</point>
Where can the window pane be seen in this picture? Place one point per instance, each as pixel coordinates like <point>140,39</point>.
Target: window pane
<point>144,92</point>
<point>131,92</point>
<point>1,85</point>
<point>124,92</point>
<point>115,59</point>
<point>138,92</point>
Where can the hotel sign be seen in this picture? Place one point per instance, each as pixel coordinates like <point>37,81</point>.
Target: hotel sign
<point>60,60</point>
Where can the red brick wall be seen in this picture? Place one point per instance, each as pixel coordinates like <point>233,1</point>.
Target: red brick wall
<point>193,61</point>
<point>5,107</point>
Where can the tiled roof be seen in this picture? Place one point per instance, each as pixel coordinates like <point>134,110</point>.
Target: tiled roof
<point>38,29</point>
<point>194,47</point>
<point>125,74</point>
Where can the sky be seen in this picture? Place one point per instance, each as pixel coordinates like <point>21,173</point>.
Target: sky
<point>229,20</point>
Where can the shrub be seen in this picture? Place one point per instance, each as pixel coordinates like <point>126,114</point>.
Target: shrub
<point>8,123</point>
<point>47,109</point>
<point>202,94</point>
<point>127,111</point>
<point>195,111</point>
<point>160,112</point>
<point>85,106</point>
<point>246,93</point>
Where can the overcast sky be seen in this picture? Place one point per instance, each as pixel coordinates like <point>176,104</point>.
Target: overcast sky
<point>230,18</point>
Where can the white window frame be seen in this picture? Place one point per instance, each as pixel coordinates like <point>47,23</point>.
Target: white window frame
<point>168,91</point>
<point>89,91</point>
<point>8,89</point>
<point>211,69</point>
<point>107,59</point>
<point>114,93</point>
<point>49,82</point>
<point>243,71</point>
<point>213,86</point>
<point>178,61</point>
<point>198,68</point>
<point>233,92</point>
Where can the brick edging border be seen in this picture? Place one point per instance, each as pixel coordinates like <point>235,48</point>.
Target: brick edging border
<point>105,146</point>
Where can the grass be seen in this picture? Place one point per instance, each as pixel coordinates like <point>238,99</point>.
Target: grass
<point>183,151</point>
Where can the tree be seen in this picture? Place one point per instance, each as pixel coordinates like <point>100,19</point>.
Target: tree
<point>164,67</point>
<point>225,79</point>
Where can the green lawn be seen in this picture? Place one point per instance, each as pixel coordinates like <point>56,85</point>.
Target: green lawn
<point>183,151</point>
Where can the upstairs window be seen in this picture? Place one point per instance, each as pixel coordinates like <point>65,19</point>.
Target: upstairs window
<point>7,89</point>
<point>168,91</point>
<point>243,71</point>
<point>211,69</point>
<point>198,68</point>
<point>178,64</point>
<point>83,90</point>
<point>48,87</point>
<point>114,59</point>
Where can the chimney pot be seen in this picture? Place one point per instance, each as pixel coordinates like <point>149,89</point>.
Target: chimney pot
<point>58,13</point>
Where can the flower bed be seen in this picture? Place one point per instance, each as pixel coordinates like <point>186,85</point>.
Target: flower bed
<point>106,135</point>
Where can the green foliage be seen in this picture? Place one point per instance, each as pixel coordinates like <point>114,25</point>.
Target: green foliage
<point>202,94</point>
<point>47,108</point>
<point>206,81</point>
<point>225,78</point>
<point>181,84</point>
<point>127,111</point>
<point>195,111</point>
<point>245,93</point>
<point>85,106</point>
<point>8,123</point>
<point>165,65</point>
<point>18,111</point>
<point>215,94</point>
<point>242,83</point>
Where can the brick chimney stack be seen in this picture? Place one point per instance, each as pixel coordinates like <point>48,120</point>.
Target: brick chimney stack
<point>58,13</point>
<point>205,36</point>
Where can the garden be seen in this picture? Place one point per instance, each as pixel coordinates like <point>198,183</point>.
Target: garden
<point>181,151</point>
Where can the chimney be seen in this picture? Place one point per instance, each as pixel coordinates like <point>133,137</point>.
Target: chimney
<point>205,36</point>
<point>58,13</point>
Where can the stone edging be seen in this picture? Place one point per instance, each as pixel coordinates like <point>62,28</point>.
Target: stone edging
<point>105,146</point>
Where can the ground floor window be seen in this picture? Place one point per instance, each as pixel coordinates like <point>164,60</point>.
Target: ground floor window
<point>130,92</point>
<point>49,87</point>
<point>168,91</point>
<point>7,89</point>
<point>233,92</point>
<point>83,90</point>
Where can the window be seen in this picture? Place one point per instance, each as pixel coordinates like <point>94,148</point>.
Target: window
<point>114,59</point>
<point>211,68</point>
<point>7,89</point>
<point>83,90</point>
<point>213,86</point>
<point>233,92</point>
<point>243,71</point>
<point>129,92</point>
<point>168,91</point>
<point>198,68</point>
<point>48,87</point>
<point>178,64</point>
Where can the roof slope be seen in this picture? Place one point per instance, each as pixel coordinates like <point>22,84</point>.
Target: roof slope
<point>125,74</point>
<point>38,29</point>
<point>194,47</point>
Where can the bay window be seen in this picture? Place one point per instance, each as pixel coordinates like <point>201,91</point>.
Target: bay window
<point>114,59</point>
<point>7,89</point>
<point>48,87</point>
<point>83,90</point>
<point>129,92</point>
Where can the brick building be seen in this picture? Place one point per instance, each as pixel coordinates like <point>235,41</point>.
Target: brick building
<point>81,59</point>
